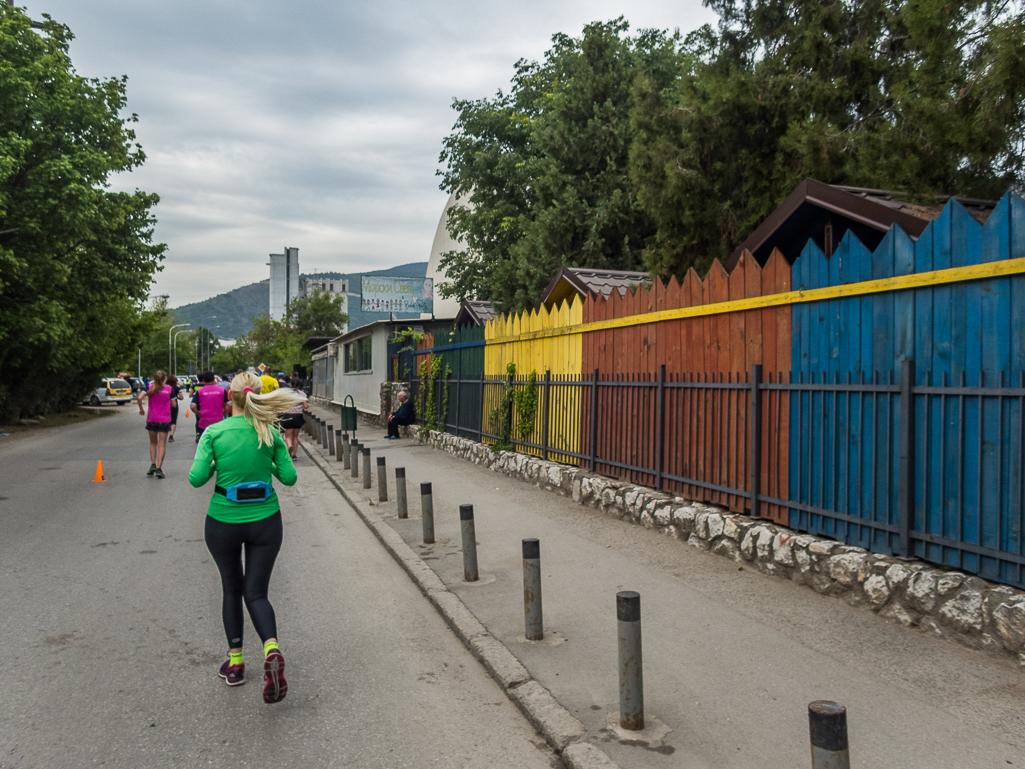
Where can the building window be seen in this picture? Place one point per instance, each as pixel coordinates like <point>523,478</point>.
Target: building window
<point>359,355</point>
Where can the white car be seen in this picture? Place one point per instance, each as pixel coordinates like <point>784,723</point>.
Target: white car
<point>111,390</point>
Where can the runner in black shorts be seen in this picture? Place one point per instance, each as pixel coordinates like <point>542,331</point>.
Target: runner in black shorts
<point>293,420</point>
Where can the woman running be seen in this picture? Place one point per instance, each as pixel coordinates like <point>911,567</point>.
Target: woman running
<point>293,420</point>
<point>158,421</point>
<point>176,395</point>
<point>245,451</point>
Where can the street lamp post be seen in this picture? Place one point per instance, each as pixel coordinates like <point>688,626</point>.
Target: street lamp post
<point>176,333</point>
<point>177,325</point>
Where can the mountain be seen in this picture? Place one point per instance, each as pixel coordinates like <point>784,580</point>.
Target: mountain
<point>230,315</point>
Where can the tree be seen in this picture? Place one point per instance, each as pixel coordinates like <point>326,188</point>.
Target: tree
<point>319,314</point>
<point>926,96</point>
<point>542,172</point>
<point>76,259</point>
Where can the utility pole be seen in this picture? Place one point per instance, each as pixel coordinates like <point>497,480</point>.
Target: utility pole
<point>35,24</point>
<point>177,325</point>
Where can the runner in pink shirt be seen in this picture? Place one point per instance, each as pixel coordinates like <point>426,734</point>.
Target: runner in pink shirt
<point>158,421</point>
<point>210,403</point>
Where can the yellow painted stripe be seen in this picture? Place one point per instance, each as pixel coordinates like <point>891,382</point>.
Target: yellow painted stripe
<point>900,283</point>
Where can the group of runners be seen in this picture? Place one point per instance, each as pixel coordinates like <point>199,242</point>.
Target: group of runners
<point>247,433</point>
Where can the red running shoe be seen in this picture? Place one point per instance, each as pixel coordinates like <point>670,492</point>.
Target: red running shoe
<point>275,687</point>
<point>233,675</point>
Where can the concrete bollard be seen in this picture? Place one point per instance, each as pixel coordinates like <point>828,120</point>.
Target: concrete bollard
<point>533,617</point>
<point>345,451</point>
<point>400,492</point>
<point>330,437</point>
<point>427,512</point>
<point>827,722</point>
<point>382,480</point>
<point>631,668</point>
<point>354,449</point>
<point>366,468</point>
<point>469,543</point>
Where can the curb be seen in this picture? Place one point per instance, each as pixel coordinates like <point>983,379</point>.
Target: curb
<point>563,732</point>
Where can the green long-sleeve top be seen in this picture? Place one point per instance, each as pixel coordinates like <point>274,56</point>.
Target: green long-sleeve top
<point>230,449</point>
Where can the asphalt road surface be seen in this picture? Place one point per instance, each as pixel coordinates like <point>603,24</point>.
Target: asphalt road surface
<point>112,634</point>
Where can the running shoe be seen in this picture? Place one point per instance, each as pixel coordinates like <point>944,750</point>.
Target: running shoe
<point>233,675</point>
<point>275,687</point>
<point>158,473</point>
<point>152,470</point>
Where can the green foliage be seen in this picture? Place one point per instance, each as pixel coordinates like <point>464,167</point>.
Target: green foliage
<point>541,173</point>
<point>409,338</point>
<point>426,405</point>
<point>76,259</point>
<point>643,151</point>
<point>925,96</point>
<point>319,314</point>
<point>521,403</point>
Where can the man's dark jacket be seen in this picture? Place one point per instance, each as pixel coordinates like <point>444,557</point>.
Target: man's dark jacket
<point>404,414</point>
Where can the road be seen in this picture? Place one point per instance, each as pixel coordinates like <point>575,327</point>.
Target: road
<point>112,634</point>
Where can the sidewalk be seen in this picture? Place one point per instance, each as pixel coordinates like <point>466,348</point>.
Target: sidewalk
<point>731,656</point>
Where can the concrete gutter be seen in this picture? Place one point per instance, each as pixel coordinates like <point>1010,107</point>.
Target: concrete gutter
<point>564,733</point>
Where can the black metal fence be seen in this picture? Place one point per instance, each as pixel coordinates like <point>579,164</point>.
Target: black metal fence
<point>944,480</point>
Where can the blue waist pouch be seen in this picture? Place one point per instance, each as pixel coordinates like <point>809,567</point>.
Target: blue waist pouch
<point>251,491</point>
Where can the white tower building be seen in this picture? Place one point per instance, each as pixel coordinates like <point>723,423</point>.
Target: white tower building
<point>284,281</point>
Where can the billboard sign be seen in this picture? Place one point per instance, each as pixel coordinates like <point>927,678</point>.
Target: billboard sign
<point>383,294</point>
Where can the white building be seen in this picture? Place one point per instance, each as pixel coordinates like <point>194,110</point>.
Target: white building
<point>331,285</point>
<point>284,281</point>
<point>443,242</point>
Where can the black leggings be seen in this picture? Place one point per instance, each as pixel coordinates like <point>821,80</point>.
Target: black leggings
<point>262,540</point>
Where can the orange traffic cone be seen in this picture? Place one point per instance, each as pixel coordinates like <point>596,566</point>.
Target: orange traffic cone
<point>186,412</point>
<point>100,478</point>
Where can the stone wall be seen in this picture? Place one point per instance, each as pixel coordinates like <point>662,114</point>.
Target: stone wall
<point>955,606</point>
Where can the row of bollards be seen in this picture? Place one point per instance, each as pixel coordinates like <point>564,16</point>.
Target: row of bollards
<point>827,720</point>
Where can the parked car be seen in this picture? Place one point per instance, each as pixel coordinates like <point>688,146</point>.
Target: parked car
<point>111,390</point>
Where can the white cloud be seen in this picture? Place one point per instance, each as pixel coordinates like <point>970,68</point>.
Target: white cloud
<point>313,124</point>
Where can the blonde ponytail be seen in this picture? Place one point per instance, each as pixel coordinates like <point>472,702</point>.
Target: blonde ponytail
<point>261,411</point>
<point>157,384</point>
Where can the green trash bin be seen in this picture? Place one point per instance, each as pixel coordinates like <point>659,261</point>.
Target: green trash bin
<point>348,415</point>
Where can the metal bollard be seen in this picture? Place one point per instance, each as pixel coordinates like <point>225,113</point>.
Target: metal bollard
<point>313,427</point>
<point>330,440</point>
<point>354,448</point>
<point>325,435</point>
<point>469,543</point>
<point>382,480</point>
<point>400,492</point>
<point>339,451</point>
<point>318,428</point>
<point>427,511</point>
<point>366,468</point>
<point>827,722</point>
<point>345,451</point>
<point>533,618</point>
<point>631,668</point>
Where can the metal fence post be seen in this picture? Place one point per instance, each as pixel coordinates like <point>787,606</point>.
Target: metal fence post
<point>480,422</point>
<point>469,543</point>
<point>546,414</point>
<point>459,380</point>
<point>382,480</point>
<point>345,452</point>
<point>594,421</point>
<point>354,449</point>
<point>827,724</point>
<point>427,512</point>
<point>508,416</point>
<point>533,615</point>
<point>907,454</point>
<point>755,436</point>
<point>400,492</point>
<point>366,468</point>
<point>631,669</point>
<point>660,427</point>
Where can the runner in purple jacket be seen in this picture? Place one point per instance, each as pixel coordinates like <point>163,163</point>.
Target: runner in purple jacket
<point>158,421</point>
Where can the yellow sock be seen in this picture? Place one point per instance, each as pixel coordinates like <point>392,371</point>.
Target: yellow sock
<point>269,647</point>
<point>234,658</point>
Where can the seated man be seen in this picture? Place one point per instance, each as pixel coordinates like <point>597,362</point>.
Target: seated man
<point>403,415</point>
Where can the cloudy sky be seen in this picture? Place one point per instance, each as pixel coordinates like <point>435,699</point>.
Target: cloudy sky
<point>309,123</point>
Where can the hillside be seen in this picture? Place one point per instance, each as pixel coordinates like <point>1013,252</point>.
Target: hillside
<point>231,314</point>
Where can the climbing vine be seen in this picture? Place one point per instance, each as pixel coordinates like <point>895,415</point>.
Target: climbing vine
<point>521,402</point>
<point>431,418</point>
